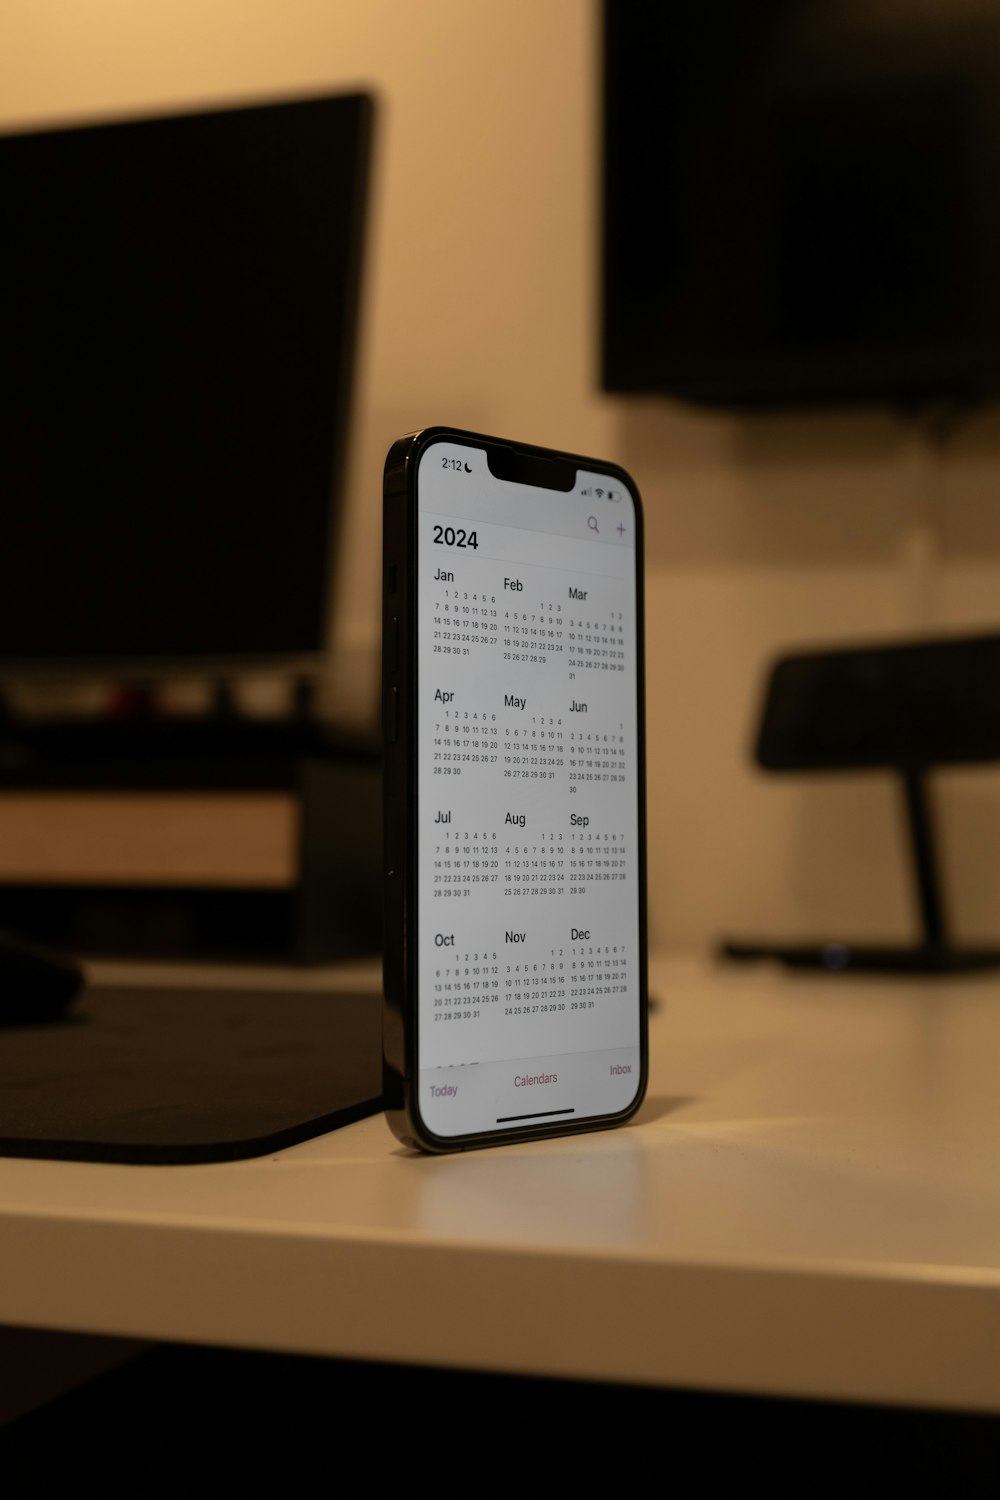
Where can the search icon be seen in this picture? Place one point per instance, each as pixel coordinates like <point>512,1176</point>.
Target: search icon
<point>592,523</point>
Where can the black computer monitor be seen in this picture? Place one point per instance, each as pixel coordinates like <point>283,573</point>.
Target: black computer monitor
<point>800,201</point>
<point>178,301</point>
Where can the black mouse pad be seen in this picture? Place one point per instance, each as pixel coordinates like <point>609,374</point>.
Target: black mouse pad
<point>170,1076</point>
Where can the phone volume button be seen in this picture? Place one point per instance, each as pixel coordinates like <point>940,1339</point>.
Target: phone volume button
<point>394,716</point>
<point>394,646</point>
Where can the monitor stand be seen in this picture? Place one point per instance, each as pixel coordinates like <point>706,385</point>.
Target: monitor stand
<point>315,896</point>
<point>934,954</point>
<point>919,958</point>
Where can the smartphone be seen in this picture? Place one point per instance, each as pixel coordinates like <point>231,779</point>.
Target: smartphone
<point>515,886</point>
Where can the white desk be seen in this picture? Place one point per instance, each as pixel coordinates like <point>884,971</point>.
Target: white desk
<point>809,1205</point>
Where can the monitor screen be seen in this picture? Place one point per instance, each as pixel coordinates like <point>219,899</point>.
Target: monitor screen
<point>177,304</point>
<point>800,200</point>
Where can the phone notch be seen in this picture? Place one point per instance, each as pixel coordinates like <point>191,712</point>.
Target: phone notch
<point>520,467</point>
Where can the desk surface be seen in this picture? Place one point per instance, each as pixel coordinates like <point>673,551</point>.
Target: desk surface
<point>809,1204</point>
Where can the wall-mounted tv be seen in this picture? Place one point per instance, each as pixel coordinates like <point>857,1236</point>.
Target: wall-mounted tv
<point>801,201</point>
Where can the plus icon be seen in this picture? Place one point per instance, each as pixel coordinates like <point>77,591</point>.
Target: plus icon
<point>620,529</point>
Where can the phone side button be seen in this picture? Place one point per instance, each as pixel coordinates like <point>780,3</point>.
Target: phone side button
<point>394,716</point>
<point>394,646</point>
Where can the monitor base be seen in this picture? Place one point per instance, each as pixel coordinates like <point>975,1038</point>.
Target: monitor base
<point>865,958</point>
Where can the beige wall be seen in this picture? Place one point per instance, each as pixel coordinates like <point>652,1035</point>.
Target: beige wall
<point>481,311</point>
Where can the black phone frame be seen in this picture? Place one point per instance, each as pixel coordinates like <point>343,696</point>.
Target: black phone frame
<point>399,720</point>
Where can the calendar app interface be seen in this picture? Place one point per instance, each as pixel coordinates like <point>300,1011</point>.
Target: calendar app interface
<point>528,806</point>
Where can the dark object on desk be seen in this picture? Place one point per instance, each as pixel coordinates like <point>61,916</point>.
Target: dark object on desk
<point>901,708</point>
<point>35,986</point>
<point>170,1076</point>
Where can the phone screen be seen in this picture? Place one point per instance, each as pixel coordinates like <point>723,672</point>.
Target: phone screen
<point>529,875</point>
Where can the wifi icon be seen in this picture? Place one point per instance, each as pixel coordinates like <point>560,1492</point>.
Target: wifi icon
<point>599,494</point>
